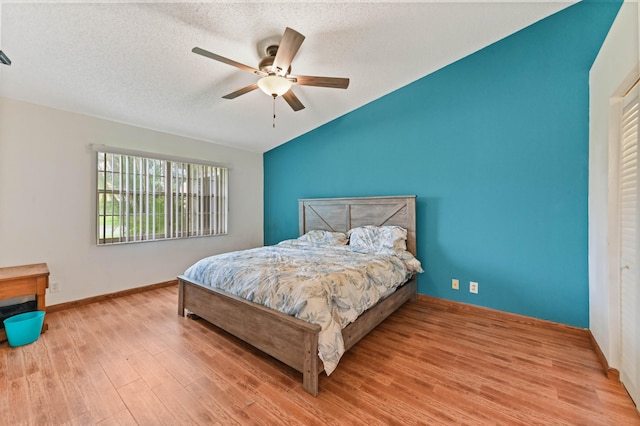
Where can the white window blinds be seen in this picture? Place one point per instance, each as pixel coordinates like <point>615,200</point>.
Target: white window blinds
<point>142,199</point>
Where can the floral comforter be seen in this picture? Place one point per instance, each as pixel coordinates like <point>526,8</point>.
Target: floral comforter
<point>325,285</point>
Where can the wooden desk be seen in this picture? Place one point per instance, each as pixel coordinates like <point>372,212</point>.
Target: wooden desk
<point>26,280</point>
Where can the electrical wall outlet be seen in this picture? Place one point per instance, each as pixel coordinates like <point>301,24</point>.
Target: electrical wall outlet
<point>455,284</point>
<point>54,286</point>
<point>473,287</point>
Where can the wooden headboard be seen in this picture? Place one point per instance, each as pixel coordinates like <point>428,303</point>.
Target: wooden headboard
<point>342,214</point>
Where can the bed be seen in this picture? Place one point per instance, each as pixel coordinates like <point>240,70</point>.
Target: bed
<point>291,340</point>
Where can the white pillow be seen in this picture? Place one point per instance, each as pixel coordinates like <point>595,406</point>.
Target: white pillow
<point>325,238</point>
<point>388,240</point>
<point>413,264</point>
<point>378,238</point>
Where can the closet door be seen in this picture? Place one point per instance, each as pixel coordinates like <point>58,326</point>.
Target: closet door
<point>629,247</point>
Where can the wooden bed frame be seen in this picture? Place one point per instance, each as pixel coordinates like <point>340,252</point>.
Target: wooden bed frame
<point>284,337</point>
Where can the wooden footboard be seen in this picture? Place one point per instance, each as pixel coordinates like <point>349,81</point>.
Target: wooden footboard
<point>286,338</point>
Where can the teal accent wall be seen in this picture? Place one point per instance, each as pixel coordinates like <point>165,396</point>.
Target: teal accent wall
<point>495,146</point>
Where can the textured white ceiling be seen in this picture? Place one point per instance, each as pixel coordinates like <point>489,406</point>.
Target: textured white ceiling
<point>132,62</point>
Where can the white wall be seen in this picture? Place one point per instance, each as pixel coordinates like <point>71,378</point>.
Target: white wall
<point>47,201</point>
<point>614,70</point>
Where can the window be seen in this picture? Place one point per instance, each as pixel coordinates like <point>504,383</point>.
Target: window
<point>142,199</point>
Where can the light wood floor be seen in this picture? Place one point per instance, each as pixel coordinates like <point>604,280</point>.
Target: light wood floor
<point>133,360</point>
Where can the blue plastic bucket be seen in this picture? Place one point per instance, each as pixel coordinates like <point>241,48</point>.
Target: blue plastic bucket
<point>23,329</point>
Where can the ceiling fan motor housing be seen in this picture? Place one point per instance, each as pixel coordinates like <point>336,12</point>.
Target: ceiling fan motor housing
<point>266,63</point>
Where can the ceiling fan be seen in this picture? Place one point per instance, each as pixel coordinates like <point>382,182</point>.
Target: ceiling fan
<point>275,71</point>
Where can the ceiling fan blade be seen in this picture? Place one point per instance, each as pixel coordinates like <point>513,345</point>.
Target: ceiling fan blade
<point>333,82</point>
<point>293,100</point>
<point>289,45</point>
<point>227,61</point>
<point>239,92</point>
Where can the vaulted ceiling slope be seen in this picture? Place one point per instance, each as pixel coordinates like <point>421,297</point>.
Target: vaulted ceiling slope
<point>132,62</point>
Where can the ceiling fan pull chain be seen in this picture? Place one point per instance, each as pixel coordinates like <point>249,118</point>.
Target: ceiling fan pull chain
<point>274,111</point>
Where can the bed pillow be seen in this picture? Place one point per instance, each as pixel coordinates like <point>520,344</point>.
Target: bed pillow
<point>413,265</point>
<point>390,240</point>
<point>378,238</point>
<point>325,238</point>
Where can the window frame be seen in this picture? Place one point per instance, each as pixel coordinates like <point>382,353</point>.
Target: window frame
<point>194,197</point>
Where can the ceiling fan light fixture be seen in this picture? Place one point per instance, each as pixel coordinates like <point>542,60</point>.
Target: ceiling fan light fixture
<point>274,85</point>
